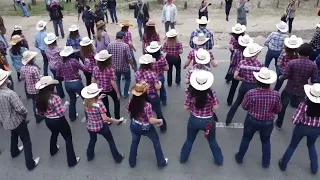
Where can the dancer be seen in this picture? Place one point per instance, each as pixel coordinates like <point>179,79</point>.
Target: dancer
<point>150,34</point>
<point>41,45</point>
<point>87,53</point>
<point>102,40</point>
<point>88,19</point>
<point>17,30</point>
<point>16,52</point>
<point>74,40</point>
<point>4,66</point>
<point>208,45</point>
<point>128,39</point>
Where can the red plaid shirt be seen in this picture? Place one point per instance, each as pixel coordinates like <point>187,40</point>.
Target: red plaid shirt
<point>121,55</point>
<point>104,78</point>
<point>172,50</point>
<point>93,115</point>
<point>128,39</point>
<point>237,56</point>
<point>53,57</point>
<point>55,108</point>
<point>147,40</point>
<point>284,60</point>
<point>192,56</point>
<point>159,65</point>
<point>262,104</point>
<point>247,67</point>
<point>150,77</point>
<point>69,70</point>
<point>234,42</point>
<point>89,63</point>
<point>144,116</point>
<point>300,116</point>
<point>194,68</point>
<point>207,111</point>
<point>31,74</point>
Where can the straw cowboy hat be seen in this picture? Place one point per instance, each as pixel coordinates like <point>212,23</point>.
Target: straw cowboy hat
<point>50,38</point>
<point>85,41</point>
<point>146,59</point>
<point>150,23</point>
<point>100,24</point>
<point>45,81</point>
<point>67,51</point>
<point>90,91</point>
<point>245,40</point>
<point>202,56</point>
<point>200,39</point>
<point>140,88</point>
<point>28,56</point>
<point>103,55</point>
<point>252,50</point>
<point>265,76</point>
<point>202,20</point>
<point>293,42</point>
<point>17,28</point>
<point>172,33</point>
<point>283,27</point>
<point>41,25</point>
<point>313,92</point>
<point>125,23</point>
<point>74,28</point>
<point>15,39</point>
<point>153,47</point>
<point>201,80</point>
<point>4,76</point>
<point>238,29</point>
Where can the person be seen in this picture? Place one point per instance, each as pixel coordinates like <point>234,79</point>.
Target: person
<point>315,41</point>
<point>23,6</point>
<point>159,66</point>
<point>298,73</point>
<point>228,7</point>
<point>54,59</point>
<point>3,29</point>
<point>173,48</point>
<point>121,61</point>
<point>88,18</point>
<point>142,123</point>
<point>307,124</point>
<point>74,40</point>
<point>80,7</point>
<point>50,106</point>
<point>290,13</point>
<point>202,101</point>
<point>99,14</point>
<point>55,12</point>
<point>203,10</point>
<point>104,6</point>
<point>242,11</point>
<point>17,30</point>
<point>102,40</point>
<point>16,52</point>
<point>169,15</point>
<point>41,45</point>
<point>150,34</point>
<point>275,42</point>
<point>3,42</point>
<point>244,73</point>
<point>141,13</point>
<point>87,52</point>
<point>4,66</point>
<point>203,21</point>
<point>105,76</point>
<point>112,7</point>
<point>96,122</point>
<point>128,40</point>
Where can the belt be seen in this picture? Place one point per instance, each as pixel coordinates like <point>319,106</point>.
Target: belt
<point>202,117</point>
<point>173,54</point>
<point>140,123</point>
<point>74,80</point>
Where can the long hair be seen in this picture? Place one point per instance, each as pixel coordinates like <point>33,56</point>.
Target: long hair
<point>312,109</point>
<point>291,53</point>
<point>42,100</point>
<point>100,30</point>
<point>236,36</point>
<point>74,34</point>
<point>263,85</point>
<point>242,48</point>
<point>88,103</point>
<point>156,55</point>
<point>150,31</point>
<point>200,97</point>
<point>136,105</point>
<point>16,49</point>
<point>125,29</point>
<point>16,32</point>
<point>87,51</point>
<point>145,67</point>
<point>65,59</point>
<point>104,64</point>
<point>172,41</point>
<point>52,45</point>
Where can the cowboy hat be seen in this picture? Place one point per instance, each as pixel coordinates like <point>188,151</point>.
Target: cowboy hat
<point>17,28</point>
<point>282,27</point>
<point>200,39</point>
<point>203,20</point>
<point>103,55</point>
<point>150,23</point>
<point>252,50</point>
<point>125,23</point>
<point>50,38</point>
<point>15,39</point>
<point>245,40</point>
<point>74,28</point>
<point>100,24</point>
<point>238,29</point>
<point>201,80</point>
<point>153,47</point>
<point>85,41</point>
<point>265,76</point>
<point>140,88</point>
<point>313,92</point>
<point>146,59</point>
<point>45,81</point>
<point>293,42</point>
<point>172,33</point>
<point>28,56</point>
<point>202,56</point>
<point>4,76</point>
<point>318,25</point>
<point>90,91</point>
<point>41,25</point>
<point>67,51</point>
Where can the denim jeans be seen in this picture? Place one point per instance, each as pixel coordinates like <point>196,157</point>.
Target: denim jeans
<point>176,62</point>
<point>270,56</point>
<point>37,117</point>
<point>154,100</point>
<point>290,24</point>
<point>113,15</point>
<point>116,102</point>
<point>45,62</point>
<point>196,124</point>
<point>167,24</point>
<point>11,84</point>
<point>106,133</point>
<point>300,131</point>
<point>127,77</point>
<point>88,76</point>
<point>228,8</point>
<point>73,88</point>
<point>141,23</point>
<point>149,131</point>
<point>57,23</point>
<point>233,88</point>
<point>251,126</point>
<point>279,83</point>
<point>163,92</point>
<point>58,86</point>
<point>134,61</point>
<point>24,10</point>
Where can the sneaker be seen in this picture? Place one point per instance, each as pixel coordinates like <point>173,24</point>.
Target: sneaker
<point>279,164</point>
<point>165,164</point>
<point>228,122</point>
<point>78,159</point>
<point>20,148</point>
<point>122,157</point>
<point>56,151</point>
<point>277,125</point>
<point>237,159</point>
<point>77,95</point>
<point>36,161</point>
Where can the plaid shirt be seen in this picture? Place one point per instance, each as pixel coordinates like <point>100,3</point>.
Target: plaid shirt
<point>144,116</point>
<point>207,111</point>
<point>31,74</point>
<point>150,77</point>
<point>104,78</point>
<point>147,40</point>
<point>234,42</point>
<point>298,73</point>
<point>192,56</point>
<point>262,104</point>
<point>159,65</point>
<point>275,41</point>
<point>300,116</point>
<point>315,42</point>
<point>55,108</point>
<point>196,67</point>
<point>69,70</point>
<point>121,55</point>
<point>93,115</point>
<point>128,39</point>
<point>53,57</point>
<point>12,111</point>
<point>284,60</point>
<point>172,50</point>
<point>237,56</point>
<point>89,63</point>
<point>209,44</point>
<point>75,43</point>
<point>246,69</point>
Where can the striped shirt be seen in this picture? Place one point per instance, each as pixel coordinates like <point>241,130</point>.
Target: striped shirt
<point>300,116</point>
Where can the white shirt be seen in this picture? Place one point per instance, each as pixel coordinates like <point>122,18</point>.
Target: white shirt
<point>169,13</point>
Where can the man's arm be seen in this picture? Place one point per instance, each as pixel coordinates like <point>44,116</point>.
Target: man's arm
<point>17,104</point>
<point>146,11</point>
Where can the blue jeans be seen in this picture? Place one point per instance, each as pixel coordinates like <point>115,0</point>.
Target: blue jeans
<point>113,14</point>
<point>300,131</point>
<point>194,126</point>
<point>141,23</point>
<point>270,56</point>
<point>251,126</point>
<point>57,23</point>
<point>24,10</point>
<point>134,61</point>
<point>149,131</point>
<point>127,77</point>
<point>58,86</point>
<point>37,117</point>
<point>72,88</point>
<point>163,92</point>
<point>45,62</point>
<point>154,100</point>
<point>279,83</point>
<point>227,8</point>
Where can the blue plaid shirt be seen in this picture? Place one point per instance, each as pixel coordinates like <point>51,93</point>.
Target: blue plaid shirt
<point>275,41</point>
<point>75,43</point>
<point>209,44</point>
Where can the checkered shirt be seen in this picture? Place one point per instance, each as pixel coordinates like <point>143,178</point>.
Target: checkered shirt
<point>300,116</point>
<point>172,50</point>
<point>31,74</point>
<point>89,63</point>
<point>298,73</point>
<point>315,42</point>
<point>234,42</point>
<point>284,60</point>
<point>236,57</point>
<point>159,65</point>
<point>207,111</point>
<point>246,69</point>
<point>192,56</point>
<point>209,44</point>
<point>196,67</point>
<point>262,104</point>
<point>55,108</point>
<point>121,55</point>
<point>150,77</point>
<point>94,119</point>
<point>275,41</point>
<point>147,40</point>
<point>53,57</point>
<point>69,70</point>
<point>144,116</point>
<point>104,78</point>
<point>128,39</point>
<point>75,43</point>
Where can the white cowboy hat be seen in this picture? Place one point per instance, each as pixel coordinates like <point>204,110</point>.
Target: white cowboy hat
<point>201,80</point>
<point>85,41</point>
<point>318,25</point>
<point>172,33</point>
<point>17,28</point>
<point>4,76</point>
<point>50,38</point>
<point>45,81</point>
<point>41,25</point>
<point>238,29</point>
<point>265,76</point>
<point>200,39</point>
<point>146,59</point>
<point>245,40</point>
<point>67,51</point>
<point>73,28</point>
<point>153,47</point>
<point>252,50</point>
<point>28,56</point>
<point>90,91</point>
<point>202,20</point>
<point>293,42</point>
<point>103,55</point>
<point>202,56</point>
<point>282,27</point>
<point>313,92</point>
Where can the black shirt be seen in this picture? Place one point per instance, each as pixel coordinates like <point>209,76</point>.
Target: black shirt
<point>228,2</point>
